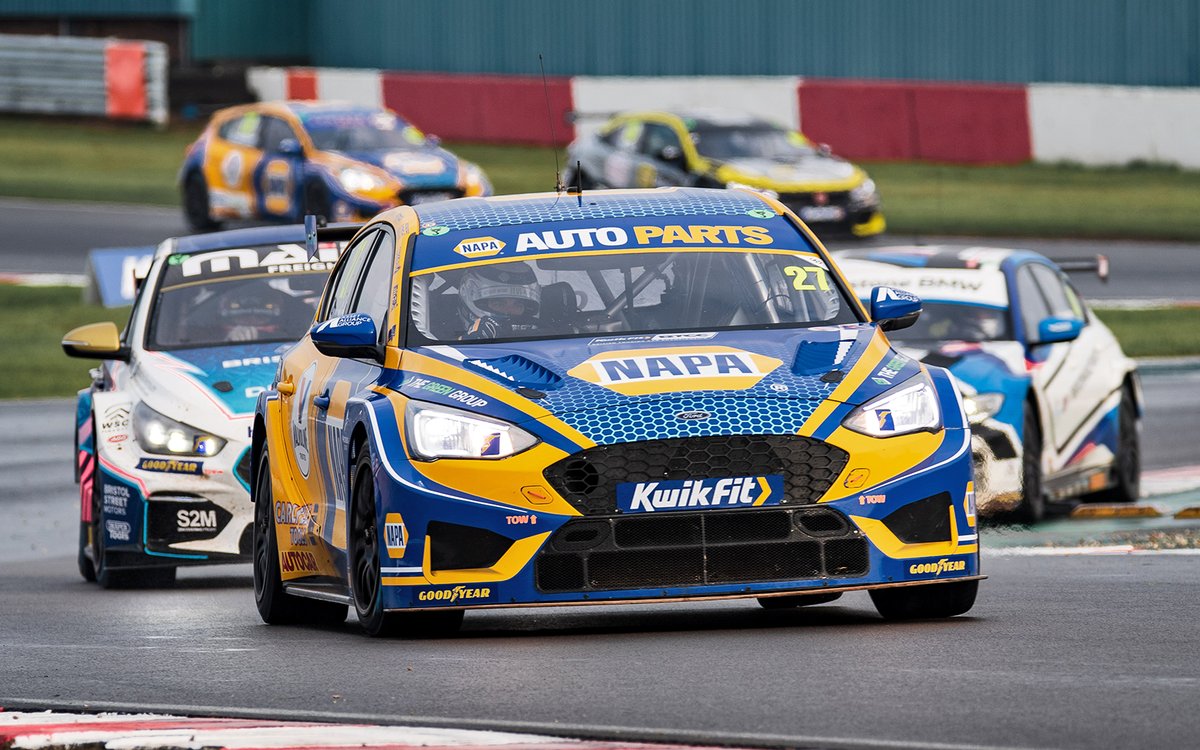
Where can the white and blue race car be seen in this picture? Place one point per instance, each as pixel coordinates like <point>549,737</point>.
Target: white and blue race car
<point>1055,405</point>
<point>162,432</point>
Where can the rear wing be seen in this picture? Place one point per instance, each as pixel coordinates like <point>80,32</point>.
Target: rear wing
<point>1097,265</point>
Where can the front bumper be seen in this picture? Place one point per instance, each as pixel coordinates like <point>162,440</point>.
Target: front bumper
<point>492,549</point>
<point>157,511</point>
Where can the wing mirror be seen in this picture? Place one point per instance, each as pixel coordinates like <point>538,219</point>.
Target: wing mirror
<point>290,147</point>
<point>95,341</point>
<point>1057,330</point>
<point>350,336</point>
<point>893,309</point>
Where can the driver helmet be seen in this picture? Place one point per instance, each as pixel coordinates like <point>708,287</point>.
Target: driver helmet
<point>249,316</point>
<point>979,324</point>
<point>509,292</point>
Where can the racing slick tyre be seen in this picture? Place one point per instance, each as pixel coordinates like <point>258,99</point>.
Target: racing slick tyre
<point>799,600</point>
<point>105,575</point>
<point>276,606</point>
<point>1127,465</point>
<point>316,200</point>
<point>925,602</point>
<point>1033,496</point>
<point>365,583</point>
<point>86,569</point>
<point>195,204</point>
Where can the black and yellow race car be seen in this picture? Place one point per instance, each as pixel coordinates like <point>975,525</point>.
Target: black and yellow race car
<point>716,149</point>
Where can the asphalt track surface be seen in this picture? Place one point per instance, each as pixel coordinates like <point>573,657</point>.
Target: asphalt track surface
<point>1059,651</point>
<point>53,237</point>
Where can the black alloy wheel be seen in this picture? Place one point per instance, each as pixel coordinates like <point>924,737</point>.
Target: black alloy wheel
<point>195,204</point>
<point>1033,495</point>
<point>365,579</point>
<point>1127,465</point>
<point>275,605</point>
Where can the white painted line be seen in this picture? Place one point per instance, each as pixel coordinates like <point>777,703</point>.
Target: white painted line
<point>43,279</point>
<point>1113,549</point>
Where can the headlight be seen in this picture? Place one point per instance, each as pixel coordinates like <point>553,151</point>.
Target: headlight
<point>909,407</point>
<point>358,180</point>
<point>864,193</point>
<point>473,180</point>
<point>442,432</point>
<point>740,185</point>
<point>158,434</point>
<point>981,406</point>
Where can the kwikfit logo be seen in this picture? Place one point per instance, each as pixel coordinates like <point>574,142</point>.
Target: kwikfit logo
<point>728,492</point>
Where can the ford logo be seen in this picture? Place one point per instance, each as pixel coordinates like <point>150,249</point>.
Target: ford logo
<point>692,416</point>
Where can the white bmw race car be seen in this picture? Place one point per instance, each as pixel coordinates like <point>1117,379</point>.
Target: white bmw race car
<point>162,432</point>
<point>1055,405</point>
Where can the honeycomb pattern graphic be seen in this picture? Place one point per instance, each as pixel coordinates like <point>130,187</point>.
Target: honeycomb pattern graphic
<point>478,213</point>
<point>779,404</point>
<point>589,479</point>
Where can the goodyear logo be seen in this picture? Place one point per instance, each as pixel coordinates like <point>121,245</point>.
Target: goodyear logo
<point>688,494</point>
<point>455,594</point>
<point>395,535</point>
<point>479,247</point>
<point>640,371</point>
<point>171,466</point>
<point>944,565</point>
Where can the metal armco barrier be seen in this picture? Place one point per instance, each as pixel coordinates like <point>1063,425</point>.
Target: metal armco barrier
<point>114,78</point>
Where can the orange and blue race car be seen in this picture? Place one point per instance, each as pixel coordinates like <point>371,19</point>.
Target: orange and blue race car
<point>278,161</point>
<point>619,396</point>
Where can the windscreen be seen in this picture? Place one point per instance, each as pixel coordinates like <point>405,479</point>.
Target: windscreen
<point>361,131</point>
<point>625,293</point>
<point>256,294</point>
<point>941,321</point>
<point>749,142</point>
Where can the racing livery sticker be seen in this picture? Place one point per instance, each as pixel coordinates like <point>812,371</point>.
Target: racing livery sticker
<point>641,371</point>
<point>300,418</point>
<point>689,494</point>
<point>171,465</point>
<point>395,535</point>
<point>479,247</point>
<point>939,566</point>
<point>455,594</point>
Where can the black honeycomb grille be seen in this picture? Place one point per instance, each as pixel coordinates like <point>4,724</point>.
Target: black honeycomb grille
<point>588,479</point>
<point>671,549</point>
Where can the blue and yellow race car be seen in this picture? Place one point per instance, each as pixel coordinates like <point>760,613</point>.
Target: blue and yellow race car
<point>644,395</point>
<point>278,161</point>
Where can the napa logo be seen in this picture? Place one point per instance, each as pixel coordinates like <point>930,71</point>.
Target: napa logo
<point>395,535</point>
<point>479,247</point>
<point>697,494</point>
<point>641,371</point>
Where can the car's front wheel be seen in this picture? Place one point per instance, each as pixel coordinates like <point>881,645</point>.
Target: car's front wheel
<point>365,576</point>
<point>1127,464</point>
<point>927,602</point>
<point>1033,495</point>
<point>275,605</point>
<point>195,204</point>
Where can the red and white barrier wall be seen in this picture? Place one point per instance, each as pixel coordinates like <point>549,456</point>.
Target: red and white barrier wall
<point>966,123</point>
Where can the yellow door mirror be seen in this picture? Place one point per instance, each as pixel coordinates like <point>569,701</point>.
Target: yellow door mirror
<point>95,341</point>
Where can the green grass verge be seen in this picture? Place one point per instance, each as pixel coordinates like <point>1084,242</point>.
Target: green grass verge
<point>1168,332</point>
<point>137,164</point>
<point>35,319</point>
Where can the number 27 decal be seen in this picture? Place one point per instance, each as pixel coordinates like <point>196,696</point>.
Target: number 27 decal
<point>800,278</point>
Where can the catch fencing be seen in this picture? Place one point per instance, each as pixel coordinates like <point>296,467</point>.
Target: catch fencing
<point>113,78</point>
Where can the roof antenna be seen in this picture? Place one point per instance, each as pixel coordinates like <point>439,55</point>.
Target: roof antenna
<point>558,186</point>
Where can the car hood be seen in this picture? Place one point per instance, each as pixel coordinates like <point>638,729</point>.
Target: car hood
<point>622,388</point>
<point>814,172</point>
<point>206,387</point>
<point>415,167</point>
